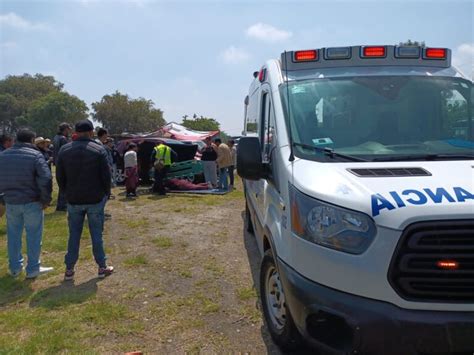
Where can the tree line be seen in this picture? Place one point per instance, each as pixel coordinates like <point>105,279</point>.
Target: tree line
<point>41,103</point>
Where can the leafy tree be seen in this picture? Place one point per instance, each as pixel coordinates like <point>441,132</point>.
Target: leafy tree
<point>119,113</point>
<point>17,94</point>
<point>47,112</point>
<point>201,123</point>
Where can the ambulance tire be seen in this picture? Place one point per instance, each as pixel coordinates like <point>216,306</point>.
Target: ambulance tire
<point>248,218</point>
<point>285,335</point>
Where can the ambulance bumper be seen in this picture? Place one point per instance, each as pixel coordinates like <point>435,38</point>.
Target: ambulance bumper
<point>342,323</point>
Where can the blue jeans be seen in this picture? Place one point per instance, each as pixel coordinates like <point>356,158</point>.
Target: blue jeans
<point>223,183</point>
<point>30,217</point>
<point>95,218</point>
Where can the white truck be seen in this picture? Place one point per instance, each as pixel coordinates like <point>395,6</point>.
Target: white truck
<point>358,168</point>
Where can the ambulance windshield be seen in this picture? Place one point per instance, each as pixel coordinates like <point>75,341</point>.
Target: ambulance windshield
<point>381,117</point>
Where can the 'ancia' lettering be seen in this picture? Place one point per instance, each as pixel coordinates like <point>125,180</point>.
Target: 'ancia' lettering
<point>416,197</point>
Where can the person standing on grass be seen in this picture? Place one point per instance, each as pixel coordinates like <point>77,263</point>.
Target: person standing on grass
<point>60,139</point>
<point>208,160</point>
<point>6,141</point>
<point>224,160</point>
<point>161,159</point>
<point>131,170</point>
<point>84,173</point>
<point>233,153</point>
<point>26,181</point>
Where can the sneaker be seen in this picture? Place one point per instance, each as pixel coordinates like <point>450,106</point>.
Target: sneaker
<point>42,270</point>
<point>105,271</point>
<point>69,275</point>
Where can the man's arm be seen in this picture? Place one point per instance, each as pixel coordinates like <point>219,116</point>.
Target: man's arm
<point>105,172</point>
<point>153,157</point>
<point>220,156</point>
<point>61,172</point>
<point>44,180</point>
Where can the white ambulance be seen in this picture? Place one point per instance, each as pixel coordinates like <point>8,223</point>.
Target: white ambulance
<point>358,167</point>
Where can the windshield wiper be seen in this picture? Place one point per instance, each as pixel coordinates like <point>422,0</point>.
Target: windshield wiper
<point>328,152</point>
<point>426,157</point>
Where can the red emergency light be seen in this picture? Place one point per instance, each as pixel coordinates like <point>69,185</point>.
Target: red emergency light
<point>435,53</point>
<point>261,75</point>
<point>373,52</point>
<point>448,264</point>
<point>306,56</point>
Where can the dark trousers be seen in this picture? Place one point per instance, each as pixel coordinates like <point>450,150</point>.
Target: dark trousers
<point>62,203</point>
<point>95,218</point>
<point>160,176</point>
<point>231,174</point>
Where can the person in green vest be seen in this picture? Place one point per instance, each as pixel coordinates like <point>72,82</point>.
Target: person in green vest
<point>161,159</point>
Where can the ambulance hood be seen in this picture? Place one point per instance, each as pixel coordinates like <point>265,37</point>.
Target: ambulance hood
<point>445,192</point>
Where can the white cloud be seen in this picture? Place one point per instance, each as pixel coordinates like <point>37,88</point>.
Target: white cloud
<point>267,33</point>
<point>234,55</point>
<point>13,20</point>
<point>463,58</point>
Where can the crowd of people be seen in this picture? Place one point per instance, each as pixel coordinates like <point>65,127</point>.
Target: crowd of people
<point>219,157</point>
<point>84,170</point>
<point>85,173</point>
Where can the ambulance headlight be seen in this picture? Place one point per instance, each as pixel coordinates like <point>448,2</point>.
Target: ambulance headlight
<point>330,226</point>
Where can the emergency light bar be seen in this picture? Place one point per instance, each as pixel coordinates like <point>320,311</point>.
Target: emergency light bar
<point>358,56</point>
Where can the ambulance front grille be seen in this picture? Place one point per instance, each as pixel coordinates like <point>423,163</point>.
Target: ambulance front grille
<point>434,262</point>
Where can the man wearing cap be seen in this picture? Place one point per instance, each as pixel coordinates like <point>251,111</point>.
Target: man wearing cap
<point>40,143</point>
<point>27,183</point>
<point>87,187</point>
<point>60,139</point>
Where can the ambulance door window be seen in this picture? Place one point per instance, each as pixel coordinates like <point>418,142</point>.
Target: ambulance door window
<point>267,131</point>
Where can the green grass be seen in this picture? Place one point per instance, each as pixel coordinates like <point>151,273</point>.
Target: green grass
<point>163,242</point>
<point>245,294</point>
<point>138,260</point>
<point>48,316</point>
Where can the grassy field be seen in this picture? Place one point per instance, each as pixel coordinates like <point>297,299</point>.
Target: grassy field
<point>183,283</point>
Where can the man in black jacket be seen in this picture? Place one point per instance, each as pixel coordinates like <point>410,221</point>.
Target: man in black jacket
<point>83,172</point>
<point>60,139</point>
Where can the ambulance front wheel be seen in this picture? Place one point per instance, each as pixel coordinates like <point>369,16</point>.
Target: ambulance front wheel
<point>277,316</point>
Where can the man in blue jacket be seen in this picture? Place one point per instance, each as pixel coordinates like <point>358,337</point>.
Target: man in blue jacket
<point>26,181</point>
<point>83,172</point>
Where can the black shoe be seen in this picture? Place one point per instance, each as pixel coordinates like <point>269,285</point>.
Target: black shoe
<point>69,275</point>
<point>105,271</point>
<point>61,209</point>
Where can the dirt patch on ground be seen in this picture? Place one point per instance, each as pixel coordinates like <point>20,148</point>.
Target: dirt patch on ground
<point>184,269</point>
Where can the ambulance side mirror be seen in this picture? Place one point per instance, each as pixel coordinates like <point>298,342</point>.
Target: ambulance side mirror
<point>249,159</point>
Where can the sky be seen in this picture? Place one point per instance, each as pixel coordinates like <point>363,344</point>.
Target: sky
<point>198,56</point>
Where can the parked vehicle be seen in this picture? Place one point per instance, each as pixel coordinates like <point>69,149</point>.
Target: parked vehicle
<point>186,152</point>
<point>359,186</point>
